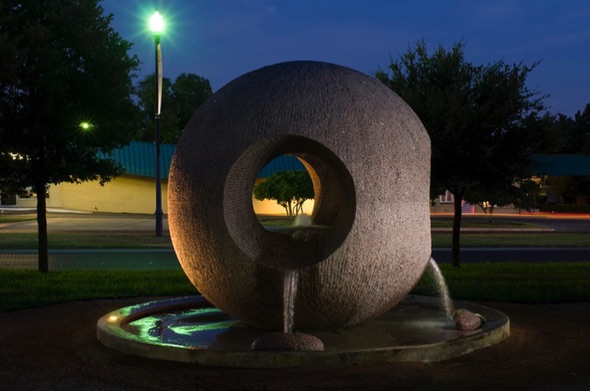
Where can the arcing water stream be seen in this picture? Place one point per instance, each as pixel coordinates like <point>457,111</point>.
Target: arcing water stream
<point>441,287</point>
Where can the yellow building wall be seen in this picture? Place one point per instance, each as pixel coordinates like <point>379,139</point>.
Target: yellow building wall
<point>124,194</point>
<point>54,200</point>
<point>129,194</point>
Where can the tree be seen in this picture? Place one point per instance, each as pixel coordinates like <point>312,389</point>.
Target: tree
<point>189,91</point>
<point>179,102</point>
<point>62,64</point>
<point>530,192</point>
<point>487,198</point>
<point>575,131</point>
<point>479,119</point>
<point>146,93</point>
<point>290,189</point>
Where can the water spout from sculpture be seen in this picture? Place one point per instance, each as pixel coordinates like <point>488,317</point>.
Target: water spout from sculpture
<point>442,288</point>
<point>289,294</point>
<point>462,318</point>
<point>291,279</point>
<point>289,340</point>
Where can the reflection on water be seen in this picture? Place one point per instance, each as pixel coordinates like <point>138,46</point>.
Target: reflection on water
<point>197,328</point>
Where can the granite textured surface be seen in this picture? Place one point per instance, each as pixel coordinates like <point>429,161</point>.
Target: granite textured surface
<point>369,158</point>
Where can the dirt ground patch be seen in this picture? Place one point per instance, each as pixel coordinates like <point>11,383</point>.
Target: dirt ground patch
<point>55,348</point>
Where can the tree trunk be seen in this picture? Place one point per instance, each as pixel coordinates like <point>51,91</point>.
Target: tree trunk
<point>457,203</point>
<point>42,228</point>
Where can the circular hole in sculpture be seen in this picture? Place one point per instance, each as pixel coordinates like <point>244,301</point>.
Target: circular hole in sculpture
<point>283,195</point>
<point>330,217</point>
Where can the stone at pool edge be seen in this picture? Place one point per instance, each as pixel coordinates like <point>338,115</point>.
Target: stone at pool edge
<point>466,320</point>
<point>288,342</point>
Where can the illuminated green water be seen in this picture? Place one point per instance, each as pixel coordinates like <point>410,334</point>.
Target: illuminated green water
<point>194,328</point>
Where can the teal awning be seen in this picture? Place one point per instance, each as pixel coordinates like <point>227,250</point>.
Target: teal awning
<point>561,165</point>
<point>139,158</point>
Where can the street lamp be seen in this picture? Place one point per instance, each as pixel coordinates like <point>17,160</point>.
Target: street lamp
<point>85,126</point>
<point>157,26</point>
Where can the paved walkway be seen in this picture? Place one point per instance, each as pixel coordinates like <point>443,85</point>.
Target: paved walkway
<point>111,259</point>
<point>514,254</point>
<point>57,222</point>
<point>165,259</point>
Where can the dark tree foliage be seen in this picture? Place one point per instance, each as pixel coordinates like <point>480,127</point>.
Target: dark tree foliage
<point>577,132</point>
<point>179,102</point>
<point>566,135</point>
<point>290,189</point>
<point>189,91</point>
<point>480,119</point>
<point>169,126</point>
<point>568,190</point>
<point>61,64</point>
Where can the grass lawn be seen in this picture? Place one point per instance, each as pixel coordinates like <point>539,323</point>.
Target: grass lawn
<point>26,288</point>
<point>515,282</point>
<point>14,218</point>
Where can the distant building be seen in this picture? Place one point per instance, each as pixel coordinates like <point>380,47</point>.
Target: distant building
<point>550,165</point>
<point>134,191</point>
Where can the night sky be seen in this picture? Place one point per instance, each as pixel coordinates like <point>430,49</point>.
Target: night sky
<point>223,39</point>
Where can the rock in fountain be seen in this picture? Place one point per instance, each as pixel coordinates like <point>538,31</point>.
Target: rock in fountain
<point>288,342</point>
<point>369,158</point>
<point>467,320</point>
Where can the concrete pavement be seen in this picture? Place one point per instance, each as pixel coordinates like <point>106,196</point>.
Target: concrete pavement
<point>160,259</point>
<point>106,259</point>
<point>515,254</point>
<point>60,221</point>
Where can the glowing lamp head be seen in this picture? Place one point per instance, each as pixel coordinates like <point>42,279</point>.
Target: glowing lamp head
<point>157,23</point>
<point>85,125</point>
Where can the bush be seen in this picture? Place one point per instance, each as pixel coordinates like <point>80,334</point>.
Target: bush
<point>564,208</point>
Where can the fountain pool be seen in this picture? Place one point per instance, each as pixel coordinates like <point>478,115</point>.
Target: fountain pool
<point>344,275</point>
<point>190,330</point>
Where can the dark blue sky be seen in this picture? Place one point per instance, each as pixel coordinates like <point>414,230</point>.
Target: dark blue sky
<point>223,39</point>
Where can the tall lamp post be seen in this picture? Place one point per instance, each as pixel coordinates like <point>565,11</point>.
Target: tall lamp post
<point>157,26</point>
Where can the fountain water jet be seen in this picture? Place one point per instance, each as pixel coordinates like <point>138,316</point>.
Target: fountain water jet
<point>287,340</point>
<point>289,296</point>
<point>463,318</point>
<point>442,288</point>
